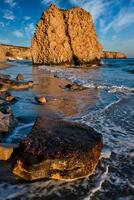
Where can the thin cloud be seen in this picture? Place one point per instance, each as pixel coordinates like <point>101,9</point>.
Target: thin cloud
<point>96,7</point>
<point>121,21</point>
<point>49,2</point>
<point>11,3</point>
<point>8,14</point>
<point>18,33</point>
<point>4,41</point>
<point>27,18</point>
<point>29,29</point>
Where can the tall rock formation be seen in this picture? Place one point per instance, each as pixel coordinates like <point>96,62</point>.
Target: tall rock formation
<point>65,36</point>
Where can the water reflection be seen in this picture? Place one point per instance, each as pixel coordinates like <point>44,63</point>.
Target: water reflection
<point>64,102</point>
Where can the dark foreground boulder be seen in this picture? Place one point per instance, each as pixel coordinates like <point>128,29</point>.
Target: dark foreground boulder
<point>59,150</point>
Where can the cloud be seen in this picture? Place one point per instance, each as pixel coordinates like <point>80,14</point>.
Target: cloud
<point>4,41</point>
<point>18,33</point>
<point>29,29</point>
<point>27,18</point>
<point>11,3</point>
<point>49,2</point>
<point>96,7</point>
<point>121,21</point>
<point>8,14</point>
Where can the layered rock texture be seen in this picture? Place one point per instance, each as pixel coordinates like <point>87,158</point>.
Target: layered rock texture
<point>65,36</point>
<point>110,54</point>
<point>15,52</point>
<point>58,150</point>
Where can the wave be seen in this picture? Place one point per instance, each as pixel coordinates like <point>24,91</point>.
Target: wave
<point>81,78</point>
<point>111,89</point>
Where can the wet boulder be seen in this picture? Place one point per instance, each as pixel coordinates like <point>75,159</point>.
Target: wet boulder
<point>21,85</point>
<point>59,150</point>
<point>5,151</point>
<point>6,83</point>
<point>7,120</point>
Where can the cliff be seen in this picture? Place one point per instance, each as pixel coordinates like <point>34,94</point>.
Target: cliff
<point>65,37</point>
<point>15,52</point>
<point>109,54</point>
<point>2,54</point>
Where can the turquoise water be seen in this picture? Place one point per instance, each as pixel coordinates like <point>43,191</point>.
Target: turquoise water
<point>107,104</point>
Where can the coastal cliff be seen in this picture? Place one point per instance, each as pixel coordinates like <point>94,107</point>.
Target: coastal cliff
<point>65,37</point>
<point>2,54</point>
<point>14,52</point>
<point>110,54</point>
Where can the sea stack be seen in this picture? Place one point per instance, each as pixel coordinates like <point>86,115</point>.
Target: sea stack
<point>65,37</point>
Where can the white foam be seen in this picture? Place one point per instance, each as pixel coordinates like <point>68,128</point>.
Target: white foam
<point>98,184</point>
<point>76,76</point>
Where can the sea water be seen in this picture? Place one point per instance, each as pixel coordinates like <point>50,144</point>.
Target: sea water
<point>106,104</point>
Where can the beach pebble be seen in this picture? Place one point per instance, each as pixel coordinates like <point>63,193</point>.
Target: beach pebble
<point>19,77</point>
<point>41,99</point>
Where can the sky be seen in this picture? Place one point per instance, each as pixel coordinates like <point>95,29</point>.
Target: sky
<point>113,20</point>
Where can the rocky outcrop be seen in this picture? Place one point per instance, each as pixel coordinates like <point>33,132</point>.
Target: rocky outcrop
<point>65,36</point>
<point>15,52</point>
<point>2,54</point>
<point>110,54</point>
<point>6,83</point>
<point>58,150</point>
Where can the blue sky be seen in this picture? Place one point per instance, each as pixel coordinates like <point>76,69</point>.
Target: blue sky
<point>113,20</point>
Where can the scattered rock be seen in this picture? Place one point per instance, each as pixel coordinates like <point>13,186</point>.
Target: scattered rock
<point>3,87</point>
<point>10,98</point>
<point>19,77</point>
<point>22,85</point>
<point>58,150</point>
<point>72,86</point>
<point>7,120</point>
<point>41,99</point>
<point>5,151</point>
<point>64,37</point>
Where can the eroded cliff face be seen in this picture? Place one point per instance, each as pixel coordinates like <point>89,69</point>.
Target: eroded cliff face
<point>2,54</point>
<point>16,52</point>
<point>109,54</point>
<point>65,36</point>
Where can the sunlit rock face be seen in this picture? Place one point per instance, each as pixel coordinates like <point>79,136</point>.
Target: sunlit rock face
<point>5,151</point>
<point>2,54</point>
<point>65,36</point>
<point>110,54</point>
<point>58,150</point>
<point>14,52</point>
